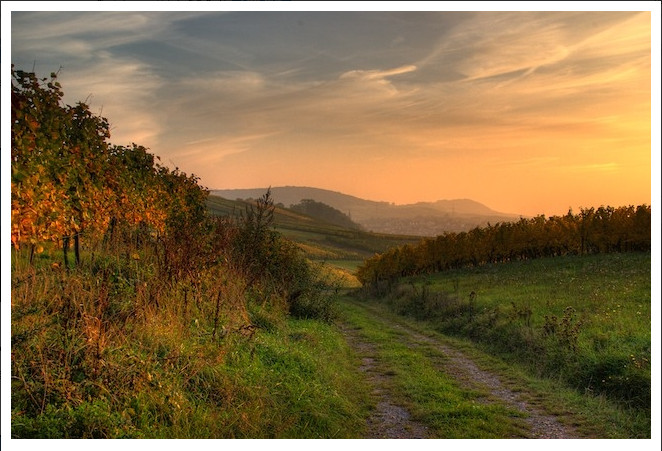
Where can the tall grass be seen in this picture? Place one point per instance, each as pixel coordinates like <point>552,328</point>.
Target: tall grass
<point>229,336</point>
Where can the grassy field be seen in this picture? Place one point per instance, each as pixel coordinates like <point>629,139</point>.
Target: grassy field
<point>108,349</point>
<point>451,410</point>
<point>583,320</point>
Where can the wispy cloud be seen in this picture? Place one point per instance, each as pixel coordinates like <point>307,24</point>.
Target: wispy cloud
<point>359,96</point>
<point>378,74</point>
<point>594,167</point>
<point>81,34</point>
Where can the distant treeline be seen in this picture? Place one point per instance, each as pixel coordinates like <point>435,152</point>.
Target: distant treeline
<point>591,231</point>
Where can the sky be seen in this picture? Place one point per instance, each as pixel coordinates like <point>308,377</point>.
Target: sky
<point>527,112</point>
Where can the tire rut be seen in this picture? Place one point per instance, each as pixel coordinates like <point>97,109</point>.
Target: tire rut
<point>393,421</point>
<point>389,420</point>
<point>469,375</point>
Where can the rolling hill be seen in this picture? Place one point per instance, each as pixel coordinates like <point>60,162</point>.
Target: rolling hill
<point>419,219</point>
<point>319,239</point>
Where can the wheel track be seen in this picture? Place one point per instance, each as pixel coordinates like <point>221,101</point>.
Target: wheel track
<point>394,420</point>
<point>389,420</point>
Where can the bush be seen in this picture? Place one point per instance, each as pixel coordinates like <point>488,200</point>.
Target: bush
<point>122,343</point>
<point>314,304</point>
<point>277,268</point>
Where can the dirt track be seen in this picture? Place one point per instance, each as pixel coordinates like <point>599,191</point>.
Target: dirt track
<point>391,420</point>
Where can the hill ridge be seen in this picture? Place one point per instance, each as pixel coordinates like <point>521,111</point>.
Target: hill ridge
<point>295,191</point>
<point>421,218</point>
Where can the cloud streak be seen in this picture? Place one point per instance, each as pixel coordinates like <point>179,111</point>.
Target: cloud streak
<point>378,74</point>
<point>238,98</point>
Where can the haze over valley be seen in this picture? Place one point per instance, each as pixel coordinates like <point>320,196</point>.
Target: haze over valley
<point>329,224</point>
<point>421,218</point>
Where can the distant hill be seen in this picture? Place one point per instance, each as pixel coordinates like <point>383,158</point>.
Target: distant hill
<point>325,212</point>
<point>320,239</point>
<point>422,218</point>
<point>291,195</point>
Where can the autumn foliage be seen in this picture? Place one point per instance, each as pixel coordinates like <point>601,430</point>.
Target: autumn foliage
<point>69,183</point>
<point>132,340</point>
<point>591,231</point>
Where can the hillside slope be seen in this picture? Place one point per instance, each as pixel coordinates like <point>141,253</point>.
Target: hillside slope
<point>320,240</point>
<point>421,219</point>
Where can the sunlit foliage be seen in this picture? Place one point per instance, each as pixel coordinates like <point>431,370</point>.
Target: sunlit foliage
<point>602,230</point>
<point>68,182</point>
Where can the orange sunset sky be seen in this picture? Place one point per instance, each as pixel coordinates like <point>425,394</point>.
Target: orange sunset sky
<point>527,112</point>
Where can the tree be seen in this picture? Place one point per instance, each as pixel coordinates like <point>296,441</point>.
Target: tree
<point>325,212</point>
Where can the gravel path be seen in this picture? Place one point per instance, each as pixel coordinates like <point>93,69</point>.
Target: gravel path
<point>468,374</point>
<point>390,420</point>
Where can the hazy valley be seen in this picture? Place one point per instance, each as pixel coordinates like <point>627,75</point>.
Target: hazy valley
<point>419,219</point>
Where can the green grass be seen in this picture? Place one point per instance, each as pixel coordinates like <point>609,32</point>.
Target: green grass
<point>294,382</point>
<point>434,398</point>
<point>585,321</point>
<point>612,291</point>
<point>420,384</point>
<point>109,350</point>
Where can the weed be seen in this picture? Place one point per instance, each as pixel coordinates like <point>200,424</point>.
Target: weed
<point>565,330</point>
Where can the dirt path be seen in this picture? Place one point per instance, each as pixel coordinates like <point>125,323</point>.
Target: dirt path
<point>469,375</point>
<point>391,420</point>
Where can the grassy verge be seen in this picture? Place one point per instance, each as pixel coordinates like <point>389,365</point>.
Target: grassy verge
<point>110,350</point>
<point>295,381</point>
